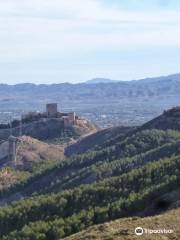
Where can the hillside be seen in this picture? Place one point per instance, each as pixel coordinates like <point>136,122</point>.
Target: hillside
<point>97,139</point>
<point>31,151</point>
<point>136,148</point>
<point>170,119</point>
<point>32,155</point>
<point>124,228</point>
<point>112,161</point>
<point>48,129</point>
<point>131,175</point>
<point>71,211</point>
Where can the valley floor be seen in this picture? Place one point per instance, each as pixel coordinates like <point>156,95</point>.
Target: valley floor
<point>123,229</point>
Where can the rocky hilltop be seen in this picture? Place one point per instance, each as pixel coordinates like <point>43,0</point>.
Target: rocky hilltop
<point>48,125</point>
<point>47,129</point>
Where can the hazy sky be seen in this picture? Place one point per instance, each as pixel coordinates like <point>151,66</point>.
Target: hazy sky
<point>45,41</point>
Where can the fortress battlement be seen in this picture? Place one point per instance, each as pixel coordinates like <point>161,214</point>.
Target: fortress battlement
<point>69,118</point>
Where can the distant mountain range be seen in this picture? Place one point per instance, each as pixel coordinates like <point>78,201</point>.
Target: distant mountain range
<point>153,79</point>
<point>26,86</point>
<point>92,88</point>
<point>133,101</point>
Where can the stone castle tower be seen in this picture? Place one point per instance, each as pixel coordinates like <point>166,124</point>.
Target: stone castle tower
<point>51,110</point>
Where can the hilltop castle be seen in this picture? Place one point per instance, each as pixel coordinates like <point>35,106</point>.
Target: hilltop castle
<point>50,123</point>
<point>69,119</point>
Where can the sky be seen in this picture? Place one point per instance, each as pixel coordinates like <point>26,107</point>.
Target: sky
<point>54,41</point>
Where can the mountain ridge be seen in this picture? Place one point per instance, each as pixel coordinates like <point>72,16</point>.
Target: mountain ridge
<point>175,76</point>
<point>105,104</point>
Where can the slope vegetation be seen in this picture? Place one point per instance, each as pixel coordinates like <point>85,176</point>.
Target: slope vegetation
<point>61,214</point>
<point>97,139</point>
<point>132,152</point>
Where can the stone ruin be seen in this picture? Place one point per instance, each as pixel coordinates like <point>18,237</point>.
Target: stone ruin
<point>69,118</point>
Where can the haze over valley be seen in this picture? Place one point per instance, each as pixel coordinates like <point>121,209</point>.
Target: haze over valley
<point>105,103</point>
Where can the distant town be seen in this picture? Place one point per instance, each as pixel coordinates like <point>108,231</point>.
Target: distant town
<point>105,104</point>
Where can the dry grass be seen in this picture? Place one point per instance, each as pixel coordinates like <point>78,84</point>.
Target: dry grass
<point>31,150</point>
<point>123,229</point>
